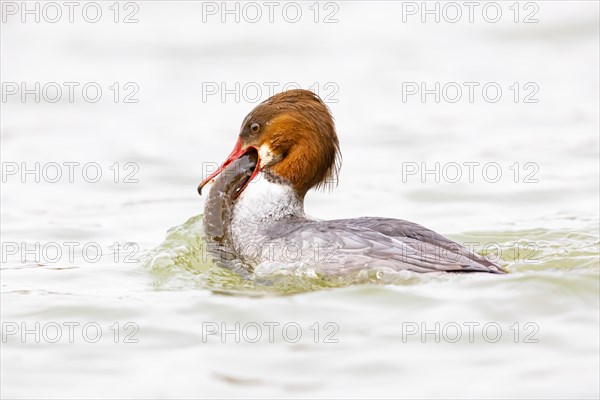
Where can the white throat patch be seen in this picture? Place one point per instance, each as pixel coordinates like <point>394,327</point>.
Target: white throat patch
<point>265,155</point>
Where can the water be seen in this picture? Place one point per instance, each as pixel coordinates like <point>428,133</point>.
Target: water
<point>157,301</point>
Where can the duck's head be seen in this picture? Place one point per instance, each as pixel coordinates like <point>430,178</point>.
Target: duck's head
<point>294,136</point>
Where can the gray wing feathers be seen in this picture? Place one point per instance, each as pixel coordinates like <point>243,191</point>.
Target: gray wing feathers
<point>353,244</point>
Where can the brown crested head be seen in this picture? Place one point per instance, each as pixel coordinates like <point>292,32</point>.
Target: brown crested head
<point>296,141</point>
<point>293,136</point>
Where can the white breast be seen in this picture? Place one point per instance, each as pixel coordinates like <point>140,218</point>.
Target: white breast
<point>260,203</point>
<point>264,200</point>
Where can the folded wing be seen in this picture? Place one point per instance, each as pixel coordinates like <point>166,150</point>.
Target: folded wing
<point>341,246</point>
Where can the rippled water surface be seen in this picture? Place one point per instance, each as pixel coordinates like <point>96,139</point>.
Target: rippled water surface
<point>172,324</point>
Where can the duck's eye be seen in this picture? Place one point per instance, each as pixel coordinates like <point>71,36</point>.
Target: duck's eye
<point>255,127</point>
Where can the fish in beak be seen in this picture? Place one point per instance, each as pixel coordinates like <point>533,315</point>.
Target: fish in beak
<point>238,151</point>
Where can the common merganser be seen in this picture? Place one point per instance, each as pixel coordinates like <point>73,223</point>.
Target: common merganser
<point>286,146</point>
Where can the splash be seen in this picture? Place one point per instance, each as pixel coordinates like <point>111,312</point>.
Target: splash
<point>182,262</point>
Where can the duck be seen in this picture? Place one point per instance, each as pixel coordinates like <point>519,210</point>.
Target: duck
<point>254,213</point>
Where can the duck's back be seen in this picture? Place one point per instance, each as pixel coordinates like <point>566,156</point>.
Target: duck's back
<point>347,245</point>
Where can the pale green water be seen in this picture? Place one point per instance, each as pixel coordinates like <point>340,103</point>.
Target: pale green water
<point>182,261</point>
<point>162,296</point>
